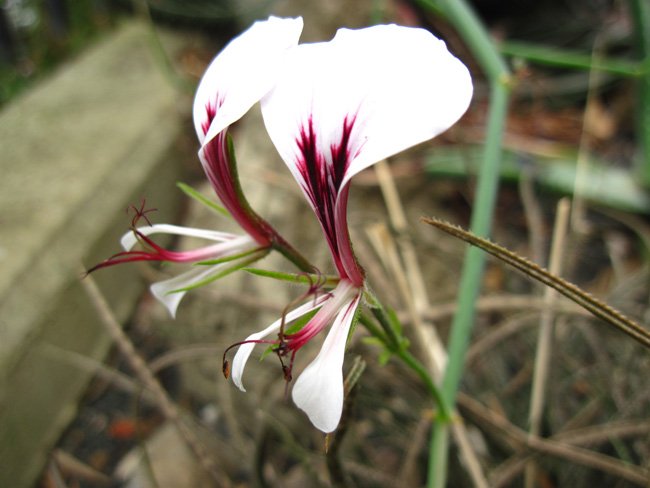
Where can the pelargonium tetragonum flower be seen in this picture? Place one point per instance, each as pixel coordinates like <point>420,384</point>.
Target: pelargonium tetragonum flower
<point>236,79</point>
<point>337,108</point>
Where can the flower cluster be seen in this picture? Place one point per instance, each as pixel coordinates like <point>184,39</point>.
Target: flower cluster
<point>331,109</point>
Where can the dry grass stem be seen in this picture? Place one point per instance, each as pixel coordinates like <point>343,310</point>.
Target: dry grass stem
<point>571,291</point>
<point>167,407</point>
<point>533,215</point>
<point>520,439</point>
<point>545,337</point>
<point>499,303</point>
<point>111,375</point>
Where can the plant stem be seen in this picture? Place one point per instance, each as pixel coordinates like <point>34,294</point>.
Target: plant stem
<point>471,279</point>
<point>444,412</point>
<point>478,40</point>
<point>396,345</point>
<point>640,11</point>
<point>481,224</point>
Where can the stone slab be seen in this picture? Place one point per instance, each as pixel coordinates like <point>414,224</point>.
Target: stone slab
<point>74,152</point>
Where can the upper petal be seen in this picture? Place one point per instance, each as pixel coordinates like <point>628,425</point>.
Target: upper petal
<point>378,90</point>
<point>319,389</point>
<point>242,73</point>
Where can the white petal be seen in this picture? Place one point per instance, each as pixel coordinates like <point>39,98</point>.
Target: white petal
<point>245,350</point>
<point>242,73</point>
<point>400,85</point>
<point>165,292</point>
<point>162,290</point>
<point>129,240</point>
<point>319,389</point>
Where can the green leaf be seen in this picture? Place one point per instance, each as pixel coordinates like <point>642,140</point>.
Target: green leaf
<point>384,357</point>
<point>602,183</point>
<point>370,298</point>
<point>192,193</point>
<point>397,325</point>
<point>353,326</point>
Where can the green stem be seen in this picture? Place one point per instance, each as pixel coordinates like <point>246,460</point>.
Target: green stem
<point>444,413</point>
<point>640,10</point>
<point>471,279</point>
<point>487,55</point>
<point>386,334</point>
<point>439,448</point>
<point>481,224</point>
<point>477,38</point>
<point>375,331</point>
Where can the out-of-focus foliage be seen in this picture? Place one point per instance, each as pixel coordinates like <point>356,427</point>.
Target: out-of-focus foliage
<point>37,35</point>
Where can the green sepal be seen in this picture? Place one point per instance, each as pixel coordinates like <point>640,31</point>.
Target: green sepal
<point>353,326</point>
<point>192,193</point>
<point>370,298</point>
<point>331,281</point>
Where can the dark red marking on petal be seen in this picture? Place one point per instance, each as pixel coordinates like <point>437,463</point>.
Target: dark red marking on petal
<point>210,113</point>
<point>323,175</point>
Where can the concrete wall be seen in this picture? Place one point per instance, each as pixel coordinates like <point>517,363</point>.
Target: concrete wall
<point>74,152</point>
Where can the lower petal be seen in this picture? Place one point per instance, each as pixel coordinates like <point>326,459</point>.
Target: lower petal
<point>245,350</point>
<point>319,389</point>
<point>165,291</point>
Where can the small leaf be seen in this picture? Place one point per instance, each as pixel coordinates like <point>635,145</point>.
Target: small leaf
<point>303,278</point>
<point>384,357</point>
<point>192,193</point>
<point>355,319</point>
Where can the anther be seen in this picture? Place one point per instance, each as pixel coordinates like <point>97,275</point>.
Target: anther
<point>225,369</point>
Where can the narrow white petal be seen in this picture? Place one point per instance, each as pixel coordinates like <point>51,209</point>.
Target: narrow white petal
<point>165,291</point>
<point>162,290</point>
<point>242,73</point>
<point>319,389</point>
<point>245,350</point>
<point>129,240</point>
<point>399,85</point>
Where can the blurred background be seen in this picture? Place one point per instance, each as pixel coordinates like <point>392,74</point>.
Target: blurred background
<point>95,115</point>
